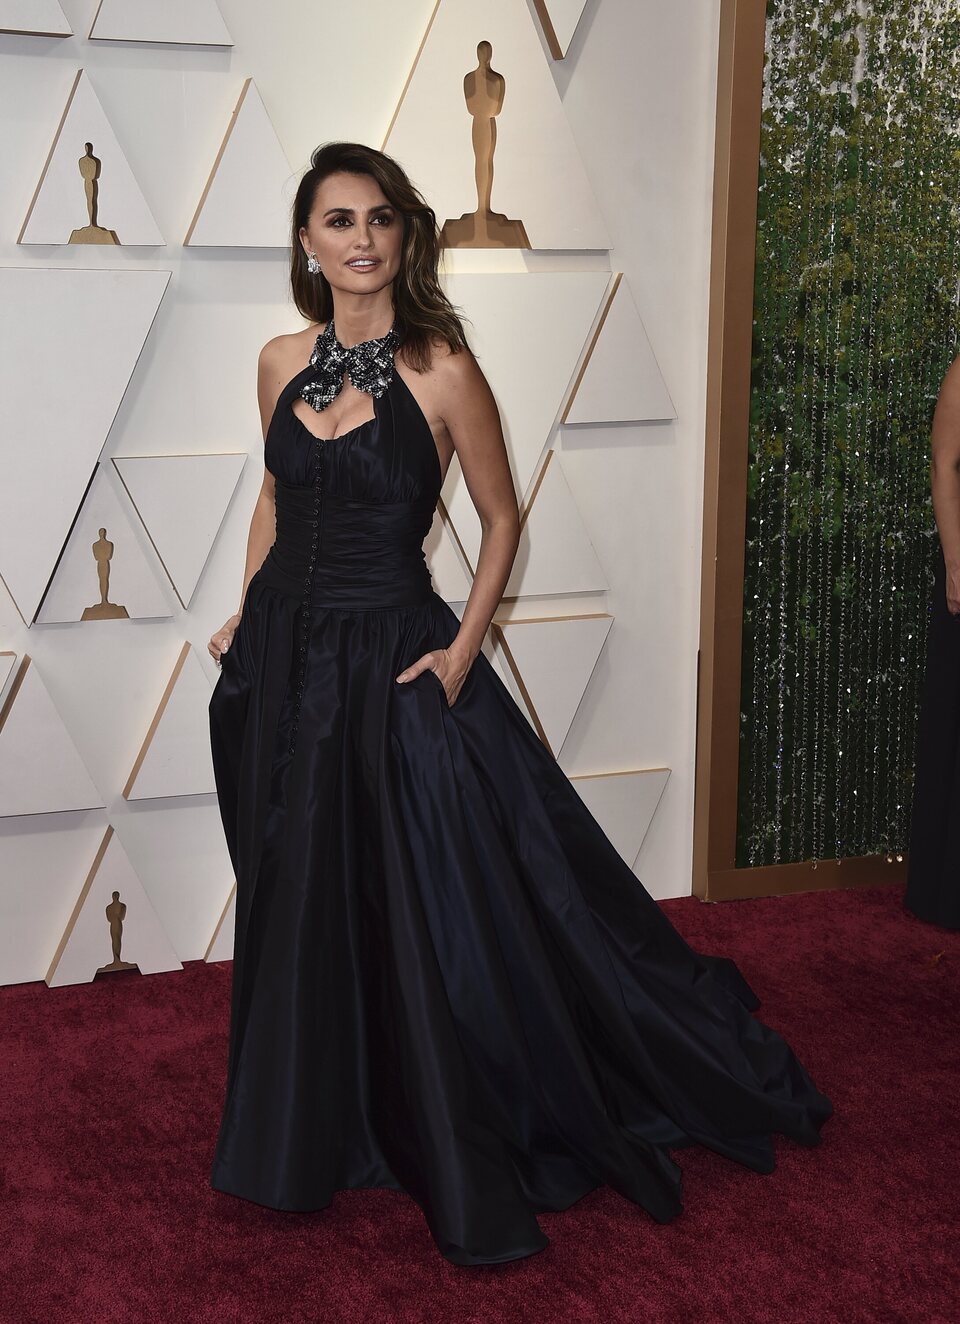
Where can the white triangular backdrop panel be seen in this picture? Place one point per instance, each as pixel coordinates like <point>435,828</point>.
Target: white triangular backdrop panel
<point>175,757</point>
<point>551,315</point>
<point>36,18</point>
<point>42,874</point>
<point>555,658</point>
<point>173,22</point>
<point>87,945</point>
<point>41,771</point>
<point>555,554</point>
<point>538,176</point>
<point>624,803</point>
<point>136,579</point>
<point>246,203</point>
<point>181,500</point>
<point>622,381</point>
<point>59,204</point>
<point>7,669</point>
<point>79,335</point>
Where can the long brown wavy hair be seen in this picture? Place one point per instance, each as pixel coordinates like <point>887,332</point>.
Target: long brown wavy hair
<point>422,312</point>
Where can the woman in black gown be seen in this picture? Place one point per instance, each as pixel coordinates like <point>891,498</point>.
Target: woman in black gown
<point>446,980</point>
<point>933,870</point>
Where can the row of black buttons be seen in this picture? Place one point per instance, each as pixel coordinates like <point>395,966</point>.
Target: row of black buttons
<point>304,610</point>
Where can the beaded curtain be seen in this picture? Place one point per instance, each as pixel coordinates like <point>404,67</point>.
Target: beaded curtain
<point>855,322</point>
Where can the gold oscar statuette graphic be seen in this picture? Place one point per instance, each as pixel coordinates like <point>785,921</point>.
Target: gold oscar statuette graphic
<point>104,610</point>
<point>483,91</point>
<point>116,912</point>
<point>92,233</point>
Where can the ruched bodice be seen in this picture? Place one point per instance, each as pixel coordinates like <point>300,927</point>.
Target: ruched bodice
<point>353,511</point>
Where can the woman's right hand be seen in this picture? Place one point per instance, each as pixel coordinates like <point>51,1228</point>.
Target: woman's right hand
<point>221,639</point>
<point>953,591</point>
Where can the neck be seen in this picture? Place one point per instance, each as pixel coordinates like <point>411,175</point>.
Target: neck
<point>362,317</point>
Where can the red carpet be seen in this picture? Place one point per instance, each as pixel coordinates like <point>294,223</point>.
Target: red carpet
<point>110,1096</point>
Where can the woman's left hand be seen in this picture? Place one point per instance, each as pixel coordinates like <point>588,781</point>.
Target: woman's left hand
<point>449,666</point>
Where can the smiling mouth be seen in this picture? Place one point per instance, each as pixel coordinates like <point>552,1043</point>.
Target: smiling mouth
<point>364,263</point>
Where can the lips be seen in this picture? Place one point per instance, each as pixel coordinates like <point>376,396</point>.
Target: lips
<point>364,264</point>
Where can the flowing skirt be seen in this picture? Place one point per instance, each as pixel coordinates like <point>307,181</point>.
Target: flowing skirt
<point>446,980</point>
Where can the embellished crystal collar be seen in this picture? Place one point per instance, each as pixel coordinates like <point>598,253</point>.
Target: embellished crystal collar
<point>369,365</point>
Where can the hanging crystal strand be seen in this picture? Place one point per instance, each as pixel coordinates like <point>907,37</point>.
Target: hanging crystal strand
<point>908,388</point>
<point>858,767</point>
<point>787,669</point>
<point>765,465</point>
<point>809,549</point>
<point>850,476</point>
<point>821,759</point>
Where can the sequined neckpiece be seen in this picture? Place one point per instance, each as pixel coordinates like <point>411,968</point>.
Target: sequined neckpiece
<point>369,366</point>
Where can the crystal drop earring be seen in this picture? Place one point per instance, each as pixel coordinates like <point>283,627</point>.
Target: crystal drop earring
<point>313,266</point>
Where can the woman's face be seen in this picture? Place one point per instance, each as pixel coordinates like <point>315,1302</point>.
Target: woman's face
<point>355,232</point>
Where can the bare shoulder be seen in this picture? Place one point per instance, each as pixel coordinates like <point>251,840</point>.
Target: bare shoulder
<point>453,365</point>
<point>950,386</point>
<point>456,380</point>
<point>292,346</point>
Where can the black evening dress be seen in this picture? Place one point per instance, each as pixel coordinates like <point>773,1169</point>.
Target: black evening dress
<point>933,869</point>
<point>446,980</point>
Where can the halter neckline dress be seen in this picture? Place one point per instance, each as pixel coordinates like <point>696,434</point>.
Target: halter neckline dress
<point>446,980</point>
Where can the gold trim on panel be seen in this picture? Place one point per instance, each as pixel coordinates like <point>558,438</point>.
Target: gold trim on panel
<point>81,899</point>
<point>93,21</point>
<point>549,31</point>
<point>16,605</point>
<point>158,715</point>
<point>611,291</point>
<point>29,32</point>
<point>409,78</point>
<point>152,41</point>
<point>146,528</point>
<point>15,687</point>
<point>219,157</point>
<point>53,148</point>
<point>219,925</point>
<point>527,506</point>
<point>542,620</point>
<point>448,522</point>
<point>498,627</point>
<point>623,772</point>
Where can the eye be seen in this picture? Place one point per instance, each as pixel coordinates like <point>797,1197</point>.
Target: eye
<point>385,217</point>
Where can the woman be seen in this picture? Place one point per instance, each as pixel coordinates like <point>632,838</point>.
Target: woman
<point>933,872</point>
<point>446,980</point>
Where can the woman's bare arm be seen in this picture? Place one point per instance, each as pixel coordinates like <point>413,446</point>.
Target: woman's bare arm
<point>470,415</point>
<point>945,479</point>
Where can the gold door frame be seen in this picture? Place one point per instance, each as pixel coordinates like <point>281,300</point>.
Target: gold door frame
<point>736,174</point>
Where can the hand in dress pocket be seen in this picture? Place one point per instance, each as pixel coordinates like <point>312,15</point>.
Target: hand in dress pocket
<point>446,664</point>
<point>221,640</point>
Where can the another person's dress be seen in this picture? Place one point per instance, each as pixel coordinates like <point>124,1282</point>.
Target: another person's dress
<point>933,870</point>
<point>446,980</point>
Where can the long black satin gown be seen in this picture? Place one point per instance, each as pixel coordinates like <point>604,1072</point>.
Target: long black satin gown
<point>933,870</point>
<point>446,980</point>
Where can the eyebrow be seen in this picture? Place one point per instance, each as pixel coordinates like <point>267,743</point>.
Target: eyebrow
<point>383,206</point>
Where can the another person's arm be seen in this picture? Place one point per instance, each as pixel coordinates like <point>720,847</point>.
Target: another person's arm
<point>945,479</point>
